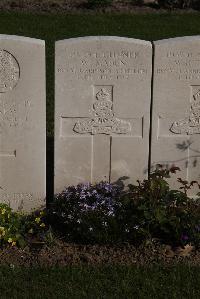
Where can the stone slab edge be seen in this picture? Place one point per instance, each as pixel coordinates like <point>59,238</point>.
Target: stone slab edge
<point>22,38</point>
<point>105,38</point>
<point>177,39</point>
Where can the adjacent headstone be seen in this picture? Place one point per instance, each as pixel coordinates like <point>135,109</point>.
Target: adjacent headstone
<point>22,122</point>
<point>176,107</point>
<point>102,109</point>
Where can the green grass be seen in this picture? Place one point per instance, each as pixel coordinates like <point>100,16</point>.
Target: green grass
<point>55,27</point>
<point>179,281</point>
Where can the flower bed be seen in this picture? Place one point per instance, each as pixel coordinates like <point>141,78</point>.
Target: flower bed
<point>103,218</point>
<point>110,214</point>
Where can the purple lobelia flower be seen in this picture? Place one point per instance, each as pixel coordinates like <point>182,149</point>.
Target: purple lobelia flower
<point>184,237</point>
<point>198,228</point>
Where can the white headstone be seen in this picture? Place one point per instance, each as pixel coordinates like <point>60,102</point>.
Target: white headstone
<point>176,107</point>
<point>22,122</point>
<point>102,109</point>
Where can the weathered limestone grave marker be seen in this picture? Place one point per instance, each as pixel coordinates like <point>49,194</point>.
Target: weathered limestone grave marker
<point>102,109</point>
<point>176,107</point>
<point>22,122</point>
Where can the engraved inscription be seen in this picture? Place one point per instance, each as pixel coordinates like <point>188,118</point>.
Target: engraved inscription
<point>9,71</point>
<point>183,65</point>
<point>103,65</point>
<point>104,120</point>
<point>16,196</point>
<point>191,123</point>
<point>13,114</point>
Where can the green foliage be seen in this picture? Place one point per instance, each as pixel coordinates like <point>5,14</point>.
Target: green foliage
<point>86,213</point>
<point>146,211</point>
<point>17,229</point>
<point>36,227</point>
<point>11,227</point>
<point>158,212</point>
<point>106,213</point>
<point>99,3</point>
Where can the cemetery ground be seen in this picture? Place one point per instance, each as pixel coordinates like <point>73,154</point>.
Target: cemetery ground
<point>146,273</point>
<point>179,281</point>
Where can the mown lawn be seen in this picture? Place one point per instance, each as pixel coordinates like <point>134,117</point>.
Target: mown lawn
<point>55,27</point>
<point>181,281</point>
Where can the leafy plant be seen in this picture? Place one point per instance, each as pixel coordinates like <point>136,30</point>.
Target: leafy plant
<point>86,213</point>
<point>36,226</point>
<point>11,227</point>
<point>108,213</point>
<point>18,229</point>
<point>161,213</point>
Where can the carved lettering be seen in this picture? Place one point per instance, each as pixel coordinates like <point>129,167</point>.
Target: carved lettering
<point>13,114</point>
<point>107,54</point>
<point>16,196</point>
<point>182,65</point>
<point>179,54</point>
<point>102,65</point>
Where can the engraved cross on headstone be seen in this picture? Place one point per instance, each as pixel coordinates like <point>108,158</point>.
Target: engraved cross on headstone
<point>102,127</point>
<point>184,129</point>
<point>8,154</point>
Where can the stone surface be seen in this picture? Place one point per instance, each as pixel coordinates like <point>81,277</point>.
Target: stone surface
<point>176,107</point>
<point>22,122</point>
<point>102,109</point>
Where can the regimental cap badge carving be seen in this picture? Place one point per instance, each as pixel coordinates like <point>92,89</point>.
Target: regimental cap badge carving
<point>191,123</point>
<point>9,71</point>
<point>104,120</point>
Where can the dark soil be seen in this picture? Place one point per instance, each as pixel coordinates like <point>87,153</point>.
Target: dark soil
<point>80,6</point>
<point>64,254</point>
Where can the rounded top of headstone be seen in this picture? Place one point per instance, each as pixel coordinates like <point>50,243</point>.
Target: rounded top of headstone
<point>22,39</point>
<point>178,39</point>
<point>104,38</point>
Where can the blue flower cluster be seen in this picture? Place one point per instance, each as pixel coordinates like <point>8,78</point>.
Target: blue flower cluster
<point>110,213</point>
<point>87,212</point>
<point>89,197</point>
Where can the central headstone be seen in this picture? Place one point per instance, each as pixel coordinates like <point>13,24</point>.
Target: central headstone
<point>102,109</point>
<point>22,122</point>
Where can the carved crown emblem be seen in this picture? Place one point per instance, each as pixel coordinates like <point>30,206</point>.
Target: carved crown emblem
<point>103,95</point>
